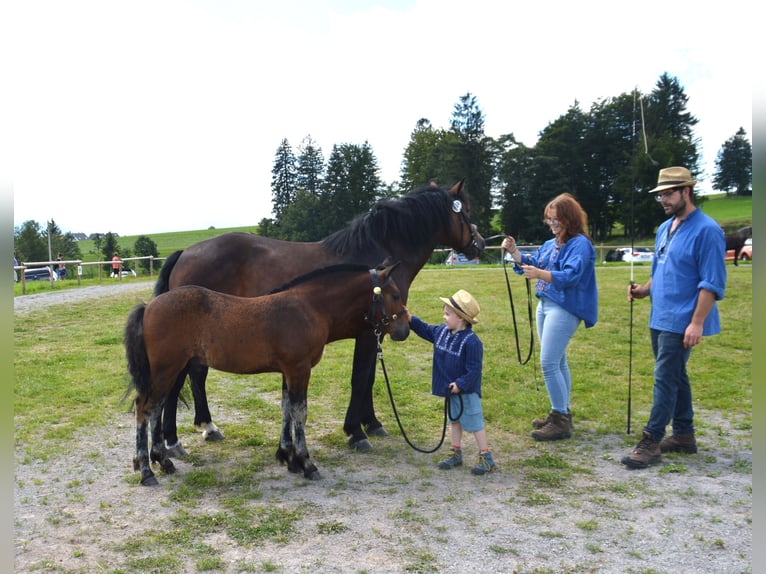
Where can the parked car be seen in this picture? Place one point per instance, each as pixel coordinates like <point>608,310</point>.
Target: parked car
<point>455,258</point>
<point>39,274</point>
<point>127,273</point>
<point>637,255</point>
<point>745,254</point>
<point>613,255</point>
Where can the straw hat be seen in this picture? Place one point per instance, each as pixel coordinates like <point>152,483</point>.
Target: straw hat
<point>463,303</point>
<point>671,177</point>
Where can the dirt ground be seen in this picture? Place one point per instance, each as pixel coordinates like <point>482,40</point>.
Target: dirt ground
<point>391,510</point>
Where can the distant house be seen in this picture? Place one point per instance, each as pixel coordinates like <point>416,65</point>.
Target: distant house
<point>80,236</point>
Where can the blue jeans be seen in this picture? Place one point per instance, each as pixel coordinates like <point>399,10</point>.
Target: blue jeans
<point>672,391</point>
<point>555,328</point>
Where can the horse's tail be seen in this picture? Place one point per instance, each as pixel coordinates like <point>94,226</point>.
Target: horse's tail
<point>135,349</point>
<point>163,281</point>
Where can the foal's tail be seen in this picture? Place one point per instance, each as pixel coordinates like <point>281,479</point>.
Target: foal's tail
<point>163,281</point>
<point>135,349</point>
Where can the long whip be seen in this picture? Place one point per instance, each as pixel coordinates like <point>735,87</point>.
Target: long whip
<point>632,238</point>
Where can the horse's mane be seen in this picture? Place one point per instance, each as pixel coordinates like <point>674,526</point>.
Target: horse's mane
<point>321,272</point>
<point>411,219</point>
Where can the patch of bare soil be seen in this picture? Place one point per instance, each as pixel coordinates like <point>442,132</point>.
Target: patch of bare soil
<point>391,510</point>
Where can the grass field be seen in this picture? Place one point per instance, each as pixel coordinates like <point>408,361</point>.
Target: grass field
<point>77,361</point>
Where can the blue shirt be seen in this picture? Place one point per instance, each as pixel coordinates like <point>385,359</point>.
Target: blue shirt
<point>457,357</point>
<point>573,274</point>
<point>690,259</point>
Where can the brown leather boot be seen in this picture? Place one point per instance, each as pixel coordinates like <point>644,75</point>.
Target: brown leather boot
<point>556,428</point>
<point>647,452</point>
<point>540,423</point>
<point>679,443</point>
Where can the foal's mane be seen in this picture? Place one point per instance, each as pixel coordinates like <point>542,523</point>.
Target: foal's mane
<point>321,272</point>
<point>411,219</point>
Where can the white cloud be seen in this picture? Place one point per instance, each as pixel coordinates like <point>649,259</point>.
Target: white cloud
<point>145,117</point>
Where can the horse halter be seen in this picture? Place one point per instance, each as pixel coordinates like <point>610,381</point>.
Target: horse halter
<point>457,207</point>
<point>378,306</point>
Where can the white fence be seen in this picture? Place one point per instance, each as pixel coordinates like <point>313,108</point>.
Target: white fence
<point>78,265</point>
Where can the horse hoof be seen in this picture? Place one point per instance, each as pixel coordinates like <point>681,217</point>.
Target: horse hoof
<point>361,444</point>
<point>312,474</point>
<point>212,435</point>
<point>377,431</point>
<point>149,479</point>
<point>177,451</point>
<point>167,466</point>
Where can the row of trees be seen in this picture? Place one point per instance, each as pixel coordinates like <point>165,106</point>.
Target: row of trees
<point>32,242</point>
<point>607,157</point>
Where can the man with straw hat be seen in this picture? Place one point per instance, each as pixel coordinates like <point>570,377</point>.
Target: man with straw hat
<point>688,277</point>
<point>456,373</point>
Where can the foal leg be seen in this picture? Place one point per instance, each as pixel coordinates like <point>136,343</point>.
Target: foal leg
<point>159,453</point>
<point>286,450</point>
<point>298,412</point>
<point>141,460</point>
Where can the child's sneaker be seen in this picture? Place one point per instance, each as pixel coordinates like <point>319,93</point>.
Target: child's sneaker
<point>454,459</point>
<point>484,465</point>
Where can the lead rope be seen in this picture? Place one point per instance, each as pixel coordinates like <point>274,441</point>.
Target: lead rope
<point>396,414</point>
<point>513,314</point>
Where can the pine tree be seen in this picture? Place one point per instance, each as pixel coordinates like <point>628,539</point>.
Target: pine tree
<point>473,158</point>
<point>734,166</point>
<point>310,170</point>
<point>283,179</point>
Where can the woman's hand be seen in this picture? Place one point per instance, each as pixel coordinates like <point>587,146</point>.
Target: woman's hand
<point>530,271</point>
<point>509,244</point>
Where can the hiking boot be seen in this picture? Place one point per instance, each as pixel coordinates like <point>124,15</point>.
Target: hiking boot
<point>454,459</point>
<point>556,428</point>
<point>679,443</point>
<point>540,423</point>
<point>484,465</point>
<point>647,452</point>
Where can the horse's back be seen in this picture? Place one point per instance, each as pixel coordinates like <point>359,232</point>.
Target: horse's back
<point>246,265</point>
<point>231,333</point>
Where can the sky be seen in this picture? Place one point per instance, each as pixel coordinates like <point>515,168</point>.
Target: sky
<point>147,117</point>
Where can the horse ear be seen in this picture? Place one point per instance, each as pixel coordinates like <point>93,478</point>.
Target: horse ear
<point>457,188</point>
<point>389,267</point>
<point>385,263</point>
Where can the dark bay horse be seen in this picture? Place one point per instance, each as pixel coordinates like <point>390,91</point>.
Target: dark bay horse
<point>283,332</point>
<point>736,240</point>
<point>407,229</point>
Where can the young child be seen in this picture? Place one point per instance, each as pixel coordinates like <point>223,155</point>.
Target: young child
<point>456,372</point>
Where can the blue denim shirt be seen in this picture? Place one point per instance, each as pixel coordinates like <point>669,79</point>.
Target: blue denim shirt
<point>690,259</point>
<point>457,357</point>
<point>573,271</point>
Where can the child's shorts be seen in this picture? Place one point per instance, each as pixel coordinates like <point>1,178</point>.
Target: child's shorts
<point>472,417</point>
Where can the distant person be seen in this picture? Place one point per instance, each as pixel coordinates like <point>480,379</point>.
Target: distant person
<point>456,372</point>
<point>116,265</point>
<point>688,277</point>
<point>565,272</point>
<point>15,264</point>
<point>60,268</point>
